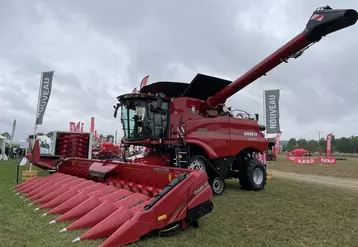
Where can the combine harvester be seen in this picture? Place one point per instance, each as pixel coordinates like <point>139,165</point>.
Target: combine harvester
<point>125,201</point>
<point>189,126</point>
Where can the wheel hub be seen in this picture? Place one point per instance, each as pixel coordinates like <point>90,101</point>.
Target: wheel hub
<point>197,165</point>
<point>218,185</point>
<point>258,176</point>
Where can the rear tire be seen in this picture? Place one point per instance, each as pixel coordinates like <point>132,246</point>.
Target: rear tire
<point>252,175</point>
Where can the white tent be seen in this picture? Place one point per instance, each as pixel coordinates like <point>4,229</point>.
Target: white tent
<point>2,148</point>
<point>45,140</point>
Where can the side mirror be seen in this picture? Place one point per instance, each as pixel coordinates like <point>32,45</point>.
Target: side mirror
<point>116,109</point>
<point>257,117</point>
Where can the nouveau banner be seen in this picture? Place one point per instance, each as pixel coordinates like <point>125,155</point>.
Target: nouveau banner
<point>272,110</point>
<point>44,96</point>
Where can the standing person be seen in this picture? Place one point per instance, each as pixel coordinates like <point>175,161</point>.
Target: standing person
<point>14,153</point>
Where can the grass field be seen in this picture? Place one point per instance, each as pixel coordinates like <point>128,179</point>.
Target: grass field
<point>284,214</point>
<point>344,168</point>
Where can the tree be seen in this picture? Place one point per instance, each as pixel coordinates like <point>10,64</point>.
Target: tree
<point>302,143</point>
<point>344,145</point>
<point>322,145</point>
<point>312,145</point>
<point>292,144</point>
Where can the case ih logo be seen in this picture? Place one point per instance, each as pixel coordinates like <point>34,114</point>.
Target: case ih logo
<point>250,134</point>
<point>200,188</point>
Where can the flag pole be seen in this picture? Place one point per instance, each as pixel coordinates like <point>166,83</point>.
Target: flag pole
<point>264,111</point>
<point>37,112</point>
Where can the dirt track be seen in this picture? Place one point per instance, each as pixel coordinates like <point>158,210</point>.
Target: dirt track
<point>323,180</point>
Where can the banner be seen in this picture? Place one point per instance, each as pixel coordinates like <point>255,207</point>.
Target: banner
<point>92,125</point>
<point>312,161</point>
<point>144,82</point>
<point>292,157</point>
<point>328,145</point>
<point>326,160</point>
<point>277,143</point>
<point>13,130</point>
<point>272,111</point>
<point>44,95</point>
<point>76,127</point>
<point>300,160</point>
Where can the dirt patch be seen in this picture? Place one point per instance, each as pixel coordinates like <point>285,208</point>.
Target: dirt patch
<point>323,180</point>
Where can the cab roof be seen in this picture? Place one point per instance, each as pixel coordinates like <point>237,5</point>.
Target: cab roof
<point>201,87</point>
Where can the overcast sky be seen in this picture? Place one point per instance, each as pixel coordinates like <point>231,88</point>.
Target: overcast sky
<point>101,49</point>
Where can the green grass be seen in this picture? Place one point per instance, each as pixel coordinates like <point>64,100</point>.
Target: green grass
<point>284,214</point>
<point>344,168</point>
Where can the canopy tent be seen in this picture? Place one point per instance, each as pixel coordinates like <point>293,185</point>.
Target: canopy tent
<point>2,148</point>
<point>299,152</point>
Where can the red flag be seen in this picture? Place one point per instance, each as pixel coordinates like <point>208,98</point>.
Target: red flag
<point>144,82</point>
<point>92,125</point>
<point>277,143</point>
<point>72,126</point>
<point>134,90</point>
<point>328,145</point>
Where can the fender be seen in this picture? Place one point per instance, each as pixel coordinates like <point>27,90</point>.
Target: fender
<point>211,154</point>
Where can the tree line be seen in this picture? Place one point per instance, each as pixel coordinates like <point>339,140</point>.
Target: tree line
<point>341,145</point>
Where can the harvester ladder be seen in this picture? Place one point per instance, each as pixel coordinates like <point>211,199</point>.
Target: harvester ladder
<point>182,156</point>
<point>182,152</point>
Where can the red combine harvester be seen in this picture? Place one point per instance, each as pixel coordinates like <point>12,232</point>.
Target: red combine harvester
<point>189,126</point>
<point>108,150</point>
<point>184,125</point>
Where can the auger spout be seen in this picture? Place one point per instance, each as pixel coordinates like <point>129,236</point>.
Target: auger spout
<point>323,21</point>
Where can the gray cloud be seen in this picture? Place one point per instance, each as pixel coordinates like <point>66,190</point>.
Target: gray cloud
<point>100,51</point>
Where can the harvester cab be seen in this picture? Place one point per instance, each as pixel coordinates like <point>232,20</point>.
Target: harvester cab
<point>143,117</point>
<point>190,125</point>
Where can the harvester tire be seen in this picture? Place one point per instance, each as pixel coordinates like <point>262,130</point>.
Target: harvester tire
<point>217,185</point>
<point>197,163</point>
<point>252,175</point>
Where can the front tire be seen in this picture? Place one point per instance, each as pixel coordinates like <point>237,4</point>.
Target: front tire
<point>217,185</point>
<point>252,175</point>
<point>197,163</point>
<point>216,182</point>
